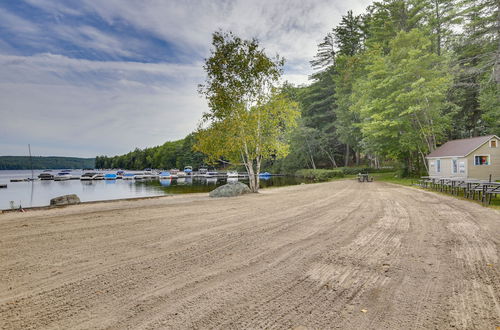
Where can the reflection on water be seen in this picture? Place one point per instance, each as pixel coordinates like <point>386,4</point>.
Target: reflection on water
<point>39,193</point>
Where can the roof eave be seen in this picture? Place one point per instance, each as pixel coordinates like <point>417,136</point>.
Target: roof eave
<point>479,146</point>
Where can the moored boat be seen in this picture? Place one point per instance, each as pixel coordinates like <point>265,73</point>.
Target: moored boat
<point>92,176</point>
<point>46,176</point>
<point>109,176</point>
<point>232,174</point>
<point>165,175</point>
<point>128,176</point>
<point>188,170</point>
<point>140,176</point>
<point>62,176</point>
<point>151,175</point>
<point>211,174</point>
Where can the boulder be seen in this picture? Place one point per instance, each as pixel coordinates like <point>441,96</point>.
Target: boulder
<point>65,200</point>
<point>229,190</point>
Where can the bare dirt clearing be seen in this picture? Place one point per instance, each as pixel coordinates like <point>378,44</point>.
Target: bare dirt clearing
<point>333,255</point>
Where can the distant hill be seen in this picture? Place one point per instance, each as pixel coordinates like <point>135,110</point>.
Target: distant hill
<point>23,162</point>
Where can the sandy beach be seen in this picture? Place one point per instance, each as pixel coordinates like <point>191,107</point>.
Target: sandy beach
<point>342,254</point>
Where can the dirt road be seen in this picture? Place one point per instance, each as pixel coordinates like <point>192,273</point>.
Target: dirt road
<point>342,255</point>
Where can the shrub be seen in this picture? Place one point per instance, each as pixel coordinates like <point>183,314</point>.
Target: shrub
<point>356,170</point>
<point>320,174</point>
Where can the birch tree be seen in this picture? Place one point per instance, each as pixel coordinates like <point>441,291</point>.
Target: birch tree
<point>248,117</point>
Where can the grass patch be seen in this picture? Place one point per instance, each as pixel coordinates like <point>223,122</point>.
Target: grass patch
<point>319,175</point>
<point>394,177</point>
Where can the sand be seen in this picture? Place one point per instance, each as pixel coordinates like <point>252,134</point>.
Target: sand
<point>343,254</point>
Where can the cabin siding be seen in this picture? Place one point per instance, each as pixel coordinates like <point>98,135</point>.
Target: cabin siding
<point>484,171</point>
<point>447,168</point>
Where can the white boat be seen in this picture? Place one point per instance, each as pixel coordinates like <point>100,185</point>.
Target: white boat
<point>62,176</point>
<point>92,176</point>
<point>140,176</point>
<point>151,175</point>
<point>88,176</point>
<point>232,174</point>
<point>211,174</point>
<point>128,176</point>
<point>181,174</point>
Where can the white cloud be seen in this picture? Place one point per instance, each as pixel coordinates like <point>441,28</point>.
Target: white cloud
<point>81,107</point>
<point>139,104</point>
<point>16,23</point>
<point>292,28</point>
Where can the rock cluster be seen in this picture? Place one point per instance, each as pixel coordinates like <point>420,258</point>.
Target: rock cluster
<point>65,200</point>
<point>230,190</point>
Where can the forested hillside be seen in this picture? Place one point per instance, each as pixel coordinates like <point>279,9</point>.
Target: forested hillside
<point>398,81</point>
<point>174,154</point>
<point>23,162</point>
<point>390,85</point>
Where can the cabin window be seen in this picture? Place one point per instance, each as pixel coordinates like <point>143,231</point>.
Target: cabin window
<point>454,166</point>
<point>493,143</point>
<point>438,165</point>
<point>461,167</point>
<point>481,160</point>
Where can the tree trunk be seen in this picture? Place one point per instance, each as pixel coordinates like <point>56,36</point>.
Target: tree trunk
<point>346,160</point>
<point>357,158</point>
<point>438,27</point>
<point>312,161</point>
<point>332,159</point>
<point>251,176</point>
<point>257,172</point>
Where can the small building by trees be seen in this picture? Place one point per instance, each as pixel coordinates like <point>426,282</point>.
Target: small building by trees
<point>474,158</point>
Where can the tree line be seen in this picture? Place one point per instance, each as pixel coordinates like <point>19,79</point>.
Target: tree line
<point>397,81</point>
<point>390,85</point>
<point>24,162</point>
<point>172,154</point>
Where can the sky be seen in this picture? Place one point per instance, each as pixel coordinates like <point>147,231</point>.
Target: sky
<point>103,77</point>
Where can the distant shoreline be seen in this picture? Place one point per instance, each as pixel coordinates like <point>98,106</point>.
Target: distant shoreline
<point>44,162</point>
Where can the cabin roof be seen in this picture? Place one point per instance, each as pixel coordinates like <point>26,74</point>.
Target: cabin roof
<point>460,148</point>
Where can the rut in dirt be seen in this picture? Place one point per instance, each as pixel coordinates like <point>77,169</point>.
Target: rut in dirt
<point>333,255</point>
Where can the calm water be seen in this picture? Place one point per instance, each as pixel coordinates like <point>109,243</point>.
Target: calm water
<point>39,193</point>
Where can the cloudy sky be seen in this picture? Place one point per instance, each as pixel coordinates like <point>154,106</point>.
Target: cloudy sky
<point>102,77</point>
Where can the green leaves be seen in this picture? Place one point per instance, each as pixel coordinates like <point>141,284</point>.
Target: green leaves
<point>402,99</point>
<point>249,117</point>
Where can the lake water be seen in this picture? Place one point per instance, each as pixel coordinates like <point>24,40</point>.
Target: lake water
<point>39,193</point>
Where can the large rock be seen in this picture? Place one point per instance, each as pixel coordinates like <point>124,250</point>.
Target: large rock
<point>229,190</point>
<point>65,200</point>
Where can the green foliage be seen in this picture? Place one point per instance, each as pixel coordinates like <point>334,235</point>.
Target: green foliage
<point>23,162</point>
<point>357,170</point>
<point>319,174</point>
<point>249,118</point>
<point>174,154</point>
<point>403,98</point>
<point>390,85</point>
